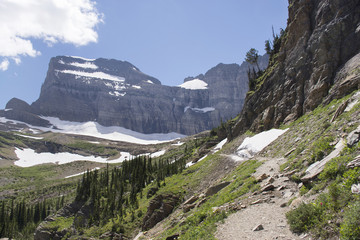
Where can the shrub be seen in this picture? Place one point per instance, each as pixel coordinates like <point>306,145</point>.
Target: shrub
<point>335,167</point>
<point>350,228</point>
<point>304,217</point>
<point>321,148</point>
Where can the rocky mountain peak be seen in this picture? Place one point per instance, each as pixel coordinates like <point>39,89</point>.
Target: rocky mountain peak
<point>116,93</point>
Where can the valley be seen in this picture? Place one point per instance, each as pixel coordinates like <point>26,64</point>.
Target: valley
<point>269,149</point>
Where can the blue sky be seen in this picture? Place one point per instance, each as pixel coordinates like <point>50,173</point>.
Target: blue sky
<point>167,39</point>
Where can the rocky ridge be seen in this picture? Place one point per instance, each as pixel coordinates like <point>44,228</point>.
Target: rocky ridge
<point>116,93</point>
<point>318,61</point>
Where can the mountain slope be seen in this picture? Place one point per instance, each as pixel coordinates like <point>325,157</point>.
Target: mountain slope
<point>116,93</point>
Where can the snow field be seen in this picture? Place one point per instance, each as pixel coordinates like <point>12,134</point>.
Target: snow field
<point>195,84</point>
<point>29,158</point>
<point>256,143</point>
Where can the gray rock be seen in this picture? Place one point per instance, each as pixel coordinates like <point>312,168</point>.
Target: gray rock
<point>268,187</point>
<point>214,189</point>
<point>258,228</point>
<point>353,137</point>
<point>121,95</point>
<point>354,163</point>
<point>159,208</point>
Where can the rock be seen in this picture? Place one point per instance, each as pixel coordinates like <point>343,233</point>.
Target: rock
<point>188,207</point>
<point>339,110</point>
<point>354,163</point>
<point>288,194</point>
<point>316,168</point>
<point>289,152</point>
<point>121,95</point>
<point>113,236</point>
<point>215,209</point>
<point>159,208</point>
<point>214,189</point>
<point>191,200</point>
<point>288,174</point>
<point>257,202</point>
<point>268,187</point>
<point>271,180</point>
<point>19,110</point>
<point>355,188</point>
<point>173,237</point>
<point>262,177</point>
<point>283,205</point>
<point>353,137</point>
<point>258,228</point>
<point>202,201</point>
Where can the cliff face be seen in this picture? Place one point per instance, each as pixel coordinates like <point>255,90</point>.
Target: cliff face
<point>317,61</point>
<point>116,93</point>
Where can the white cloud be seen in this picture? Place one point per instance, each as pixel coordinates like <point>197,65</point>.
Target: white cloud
<point>4,65</point>
<point>52,21</point>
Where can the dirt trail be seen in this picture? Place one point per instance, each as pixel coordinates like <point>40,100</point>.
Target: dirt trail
<point>266,208</point>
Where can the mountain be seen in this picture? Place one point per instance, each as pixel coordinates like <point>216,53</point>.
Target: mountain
<point>116,93</point>
<point>318,60</point>
<point>256,184</point>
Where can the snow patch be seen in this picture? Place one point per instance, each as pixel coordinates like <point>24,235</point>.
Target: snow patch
<point>149,81</point>
<point>99,75</point>
<point>178,143</point>
<point>82,58</point>
<point>89,65</point>
<point>155,154</point>
<point>114,133</point>
<point>200,110</point>
<point>28,158</point>
<point>94,129</point>
<point>189,164</point>
<point>117,94</point>
<point>254,144</point>
<point>195,84</point>
<point>78,174</point>
<point>31,137</point>
<point>219,146</point>
<point>135,86</point>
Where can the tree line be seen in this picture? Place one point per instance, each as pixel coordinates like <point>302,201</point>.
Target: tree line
<point>114,193</point>
<point>19,219</point>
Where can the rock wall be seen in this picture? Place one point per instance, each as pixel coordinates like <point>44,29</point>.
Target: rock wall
<point>116,93</point>
<point>321,38</point>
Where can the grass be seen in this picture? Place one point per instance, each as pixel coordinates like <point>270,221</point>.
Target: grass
<point>59,224</point>
<point>335,211</point>
<point>201,223</point>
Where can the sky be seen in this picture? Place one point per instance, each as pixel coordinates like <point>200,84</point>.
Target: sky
<point>167,39</point>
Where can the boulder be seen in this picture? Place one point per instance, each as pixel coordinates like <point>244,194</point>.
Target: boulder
<point>268,187</point>
<point>354,163</point>
<point>258,228</point>
<point>353,137</point>
<point>191,200</point>
<point>214,189</point>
